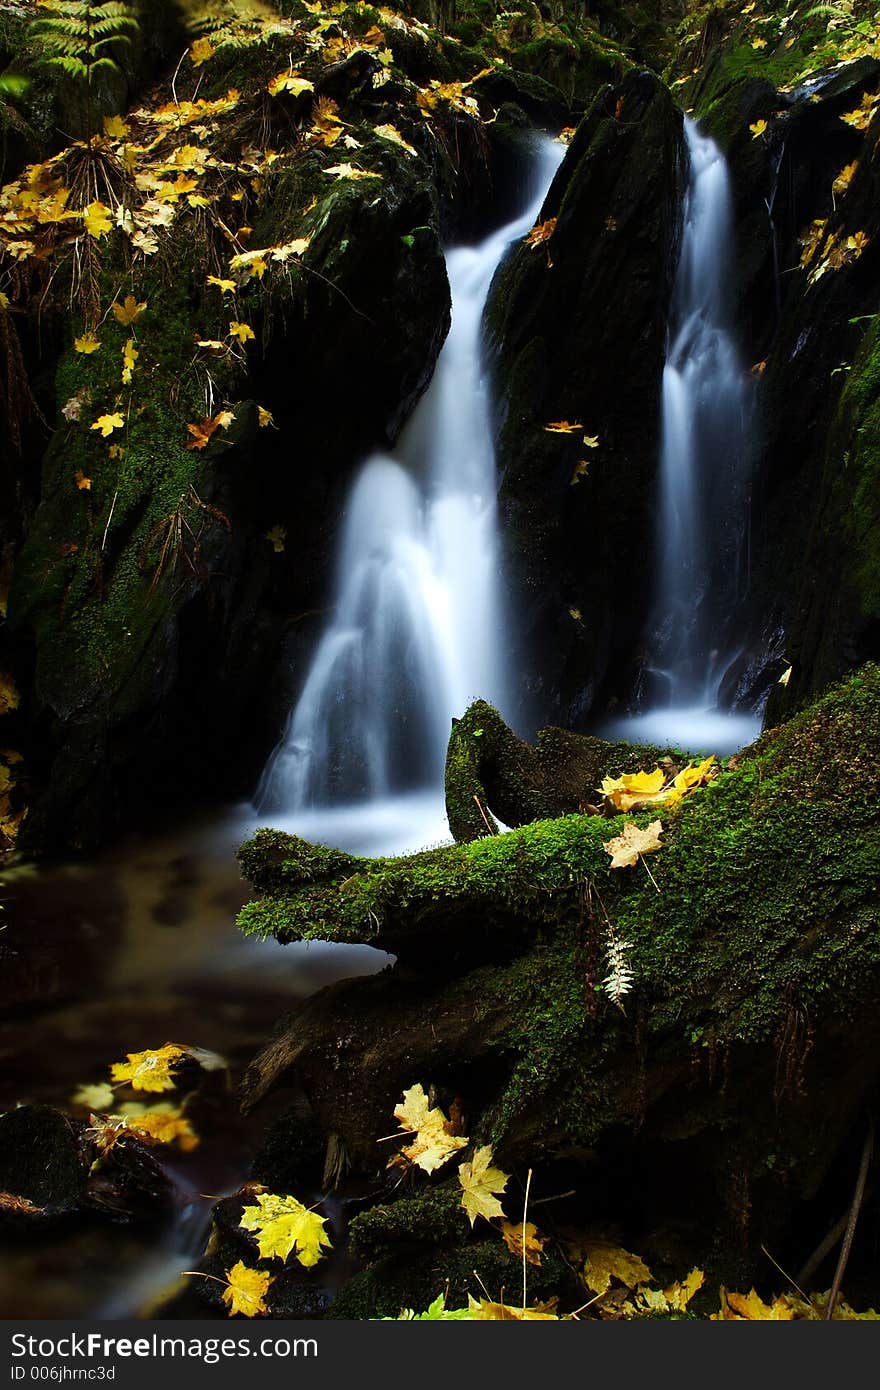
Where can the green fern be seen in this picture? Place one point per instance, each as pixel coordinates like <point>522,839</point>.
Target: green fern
<point>74,35</point>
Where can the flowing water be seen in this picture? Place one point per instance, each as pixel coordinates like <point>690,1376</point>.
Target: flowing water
<point>417,631</point>
<point>707,448</point>
<point>139,946</point>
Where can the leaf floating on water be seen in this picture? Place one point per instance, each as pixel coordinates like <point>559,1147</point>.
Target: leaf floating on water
<point>150,1070</point>
<point>97,1097</point>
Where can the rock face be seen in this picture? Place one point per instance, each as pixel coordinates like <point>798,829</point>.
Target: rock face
<point>577,326</point>
<point>747,1049</point>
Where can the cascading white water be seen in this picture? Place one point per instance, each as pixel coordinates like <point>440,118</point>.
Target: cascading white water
<point>706,453</point>
<point>417,626</point>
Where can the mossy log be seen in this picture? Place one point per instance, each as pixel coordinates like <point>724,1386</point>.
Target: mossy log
<point>747,1051</point>
<point>490,770</point>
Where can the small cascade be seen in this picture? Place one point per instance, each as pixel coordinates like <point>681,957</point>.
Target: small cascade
<point>707,444</point>
<point>417,619</point>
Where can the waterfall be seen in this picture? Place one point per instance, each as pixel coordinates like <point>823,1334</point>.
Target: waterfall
<point>707,434</point>
<point>417,626</point>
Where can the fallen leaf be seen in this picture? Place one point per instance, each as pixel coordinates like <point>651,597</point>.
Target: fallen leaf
<point>242,331</point>
<point>150,1070</point>
<point>276,537</point>
<point>98,219</point>
<point>227,286</point>
<point>83,483</point>
<point>433,1141</point>
<point>246,1291</point>
<point>108,423</point>
<point>201,51</point>
<point>388,132</point>
<point>758,129</point>
<point>604,1262</point>
<point>484,1310</point>
<point>348,171</point>
<point>513,1233</point>
<point>9,696</point>
<point>87,343</point>
<point>844,178</point>
<point>289,82</point>
<point>562,427</point>
<point>129,311</point>
<point>751,1308</point>
<point>785,677</point>
<point>264,417</point>
<point>626,848</point>
<point>541,232</point>
<point>130,355</point>
<point>115,127</point>
<point>97,1097</point>
<point>283,1225</point>
<point>480,1184</point>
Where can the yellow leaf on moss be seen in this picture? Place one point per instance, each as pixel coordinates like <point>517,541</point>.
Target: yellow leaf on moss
<point>738,1307</point>
<point>108,423</point>
<point>541,232</point>
<point>626,848</point>
<point>283,1225</point>
<point>86,343</point>
<point>83,483</point>
<point>150,1070</point>
<point>264,417</point>
<point>289,82</point>
<point>246,1291</point>
<point>98,219</point>
<point>390,133</point>
<point>129,311</point>
<point>130,355</point>
<point>604,1262</point>
<point>845,178</point>
<point>227,286</point>
<point>480,1184</point>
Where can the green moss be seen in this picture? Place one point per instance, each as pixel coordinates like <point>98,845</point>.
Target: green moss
<point>855,439</point>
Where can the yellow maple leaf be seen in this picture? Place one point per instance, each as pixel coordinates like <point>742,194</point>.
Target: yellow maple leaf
<point>289,82</point>
<point>759,43</point>
<point>83,483</point>
<point>433,1140</point>
<point>283,1225</point>
<point>751,1308</point>
<point>264,417</point>
<point>108,423</point>
<point>97,1097</point>
<point>98,219</point>
<point>626,848</point>
<point>390,133</point>
<point>758,129</point>
<point>348,171</point>
<point>562,427</point>
<point>201,433</point>
<point>276,538</point>
<point>150,1070</point>
<point>241,331</point>
<point>604,1262</point>
<point>227,286</point>
<point>541,232</point>
<point>679,1295</point>
<point>129,311</point>
<point>114,451</point>
<point>290,248</point>
<point>786,676</point>
<point>695,774</point>
<point>115,127</point>
<point>130,355</point>
<point>844,178</point>
<point>87,342</point>
<point>524,1234</point>
<point>857,242</point>
<point>246,1291</point>
<point>480,1184</point>
<point>160,1124</point>
<point>201,51</point>
<point>484,1310</point>
<point>632,788</point>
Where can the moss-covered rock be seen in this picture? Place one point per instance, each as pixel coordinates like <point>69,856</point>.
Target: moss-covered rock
<point>746,1043</point>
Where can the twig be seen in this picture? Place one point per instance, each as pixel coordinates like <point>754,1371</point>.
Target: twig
<point>825,1246</point>
<point>109,519</point>
<point>851,1223</point>
<point>486,821</point>
<point>804,1296</point>
<point>525,1212</point>
<point>650,875</point>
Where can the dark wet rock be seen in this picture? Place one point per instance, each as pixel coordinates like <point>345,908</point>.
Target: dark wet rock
<point>577,330</point>
<point>43,1157</point>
